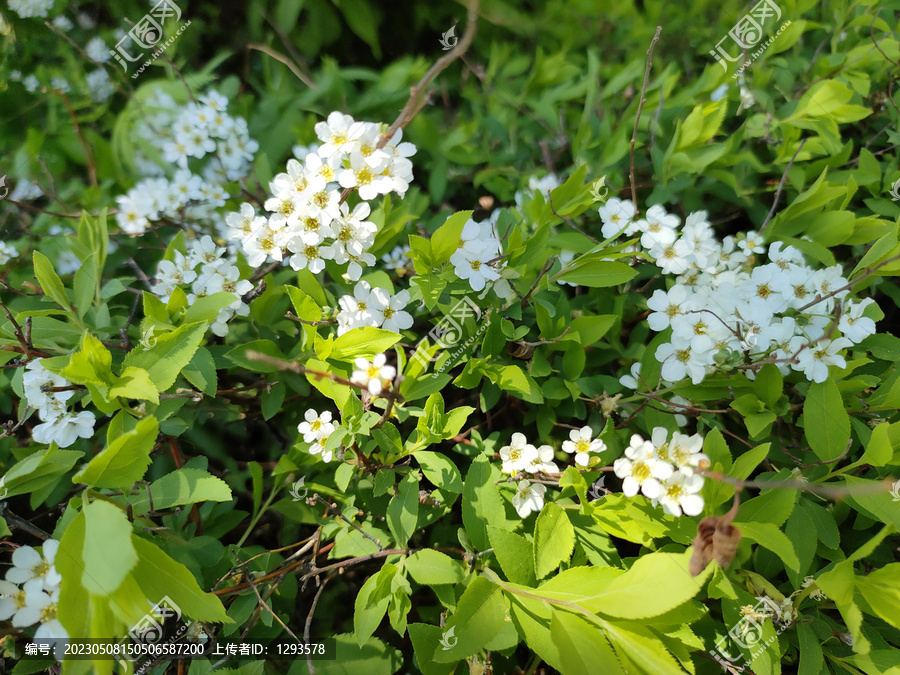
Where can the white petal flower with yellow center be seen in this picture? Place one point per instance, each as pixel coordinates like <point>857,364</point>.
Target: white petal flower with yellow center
<point>582,443</point>
<point>518,455</point>
<point>529,497</point>
<point>641,470</point>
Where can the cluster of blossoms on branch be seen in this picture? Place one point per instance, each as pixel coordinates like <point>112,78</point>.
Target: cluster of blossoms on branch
<point>663,469</point>
<point>30,593</point>
<point>373,307</point>
<point>48,393</point>
<point>725,304</point>
<point>522,456</point>
<point>208,269</point>
<point>373,376</point>
<point>309,221</point>
<point>207,145</point>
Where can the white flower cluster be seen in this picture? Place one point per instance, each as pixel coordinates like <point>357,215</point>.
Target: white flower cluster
<point>31,8</point>
<point>520,455</point>
<point>478,246</point>
<point>316,430</point>
<point>7,252</point>
<point>396,260</point>
<point>723,300</point>
<point>99,85</point>
<point>308,220</point>
<point>208,270</point>
<point>373,307</point>
<point>544,185</point>
<point>374,376</point>
<point>202,131</point>
<point>30,593</point>
<point>663,470</point>
<point>26,191</point>
<point>59,424</point>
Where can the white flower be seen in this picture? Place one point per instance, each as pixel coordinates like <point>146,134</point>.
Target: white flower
<point>97,50</point>
<point>358,310</point>
<point>543,463</point>
<point>815,359</point>
<point>309,256</point>
<point>752,243</point>
<point>397,259</point>
<point>529,497</point>
<point>681,358</point>
<point>12,601</point>
<point>472,265</point>
<point>582,443</point>
<point>361,176</point>
<point>373,375</point>
<point>334,134</point>
<point>317,447</point>
<point>631,381</point>
<point>665,306</point>
<point>640,469</point>
<point>31,8</point>
<point>65,429</point>
<point>853,325</point>
<point>616,215</point>
<point>28,565</point>
<point>37,378</point>
<point>315,426</point>
<point>39,607</point>
<point>389,312</point>
<point>679,493</point>
<point>518,455</point>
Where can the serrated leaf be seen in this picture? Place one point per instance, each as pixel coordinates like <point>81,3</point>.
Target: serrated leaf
<point>169,355</point>
<point>124,461</point>
<point>554,539</point>
<point>433,567</point>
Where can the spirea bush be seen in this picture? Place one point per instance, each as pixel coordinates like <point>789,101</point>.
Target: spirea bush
<point>439,339</point>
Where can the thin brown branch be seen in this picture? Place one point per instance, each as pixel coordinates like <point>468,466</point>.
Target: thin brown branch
<point>637,118</point>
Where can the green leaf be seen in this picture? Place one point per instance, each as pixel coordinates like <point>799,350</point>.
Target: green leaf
<point>86,283</point>
<point>207,308</point>
<point>662,577</point>
<point>201,372</point>
<point>479,617</point>
<point>238,356</point>
<point>582,645</point>
<point>445,240</point>
<point>373,658</point>
<point>135,383</point>
<point>826,423</point>
<point>171,353</point>
<point>90,365</point>
<point>515,555</point>
<point>426,639</point>
<point>481,502</point>
<point>124,461</point>
<point>49,280</point>
<point>596,273</point>
<point>37,471</point>
<point>403,510</point>
<point>440,470</point>
<point>366,342</point>
<point>554,539</point>
<point>108,554</point>
<point>369,609</point>
<point>183,486</point>
<point>433,567</point>
<point>160,576</point>
<point>645,650</point>
<point>769,536</point>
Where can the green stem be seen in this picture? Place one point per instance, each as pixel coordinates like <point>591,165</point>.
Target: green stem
<point>262,510</point>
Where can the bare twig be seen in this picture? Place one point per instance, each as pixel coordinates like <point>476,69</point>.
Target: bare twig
<point>781,185</point>
<point>637,118</point>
